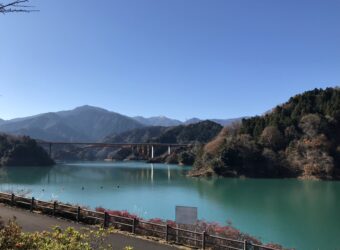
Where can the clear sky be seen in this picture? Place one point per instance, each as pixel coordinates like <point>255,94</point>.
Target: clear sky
<point>179,58</point>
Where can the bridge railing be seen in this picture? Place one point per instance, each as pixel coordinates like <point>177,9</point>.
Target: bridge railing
<point>166,232</point>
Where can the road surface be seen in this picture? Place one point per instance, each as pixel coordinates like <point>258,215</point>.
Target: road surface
<point>31,222</point>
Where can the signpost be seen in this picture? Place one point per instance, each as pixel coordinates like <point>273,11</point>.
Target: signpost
<point>185,216</point>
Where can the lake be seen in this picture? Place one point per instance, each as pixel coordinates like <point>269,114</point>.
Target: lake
<point>304,214</point>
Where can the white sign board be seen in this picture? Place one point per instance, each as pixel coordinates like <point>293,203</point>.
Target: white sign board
<point>186,215</point>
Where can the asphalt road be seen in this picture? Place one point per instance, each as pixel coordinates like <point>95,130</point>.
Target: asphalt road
<point>31,222</point>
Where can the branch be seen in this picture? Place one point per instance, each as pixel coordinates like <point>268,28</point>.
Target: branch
<point>16,6</point>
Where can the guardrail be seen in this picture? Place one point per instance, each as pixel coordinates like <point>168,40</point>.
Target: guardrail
<point>175,235</point>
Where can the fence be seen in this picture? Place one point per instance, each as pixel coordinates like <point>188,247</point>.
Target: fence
<point>141,227</point>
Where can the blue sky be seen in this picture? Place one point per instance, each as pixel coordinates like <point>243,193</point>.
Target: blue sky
<point>179,58</point>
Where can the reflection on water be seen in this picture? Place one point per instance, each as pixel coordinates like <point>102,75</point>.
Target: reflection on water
<point>301,214</point>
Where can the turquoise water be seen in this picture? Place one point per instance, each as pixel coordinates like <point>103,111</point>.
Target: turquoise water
<point>295,213</point>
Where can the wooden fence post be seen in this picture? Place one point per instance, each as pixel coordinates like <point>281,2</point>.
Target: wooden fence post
<point>12,199</point>
<point>32,204</point>
<point>245,245</point>
<point>203,239</point>
<point>134,223</point>
<point>106,220</point>
<point>54,207</point>
<point>167,233</point>
<point>78,214</point>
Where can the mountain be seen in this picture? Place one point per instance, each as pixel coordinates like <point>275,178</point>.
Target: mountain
<point>157,121</point>
<point>300,138</point>
<point>168,122</point>
<point>85,123</point>
<point>192,121</point>
<point>47,126</point>
<point>139,135</point>
<point>227,122</point>
<point>198,132</point>
<point>223,122</point>
<point>97,123</point>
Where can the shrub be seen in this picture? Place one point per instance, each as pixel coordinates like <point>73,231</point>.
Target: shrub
<point>12,237</point>
<point>212,228</point>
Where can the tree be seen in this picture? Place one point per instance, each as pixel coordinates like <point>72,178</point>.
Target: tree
<point>271,137</point>
<point>298,138</point>
<point>310,124</point>
<point>16,6</point>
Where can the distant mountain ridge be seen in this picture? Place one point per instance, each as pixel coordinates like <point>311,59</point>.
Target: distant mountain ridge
<point>223,122</point>
<point>85,123</point>
<point>158,121</point>
<point>88,123</point>
<point>168,122</point>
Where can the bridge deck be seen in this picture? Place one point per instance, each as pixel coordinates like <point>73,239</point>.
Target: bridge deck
<point>100,144</point>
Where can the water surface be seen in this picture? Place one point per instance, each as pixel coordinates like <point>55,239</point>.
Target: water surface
<point>295,213</point>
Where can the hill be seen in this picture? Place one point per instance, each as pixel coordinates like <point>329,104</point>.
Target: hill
<point>193,133</point>
<point>168,122</point>
<point>22,151</point>
<point>139,135</point>
<point>198,133</point>
<point>300,138</point>
<point>222,122</point>
<point>84,123</point>
<point>157,121</point>
<point>87,123</point>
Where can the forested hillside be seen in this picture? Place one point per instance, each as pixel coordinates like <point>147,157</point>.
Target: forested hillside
<point>139,135</point>
<point>198,133</point>
<point>22,151</point>
<point>300,138</point>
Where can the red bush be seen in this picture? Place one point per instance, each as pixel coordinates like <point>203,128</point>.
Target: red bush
<point>211,228</point>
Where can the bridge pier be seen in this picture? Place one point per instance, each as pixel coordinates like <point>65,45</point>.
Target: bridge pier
<point>152,152</point>
<point>151,172</point>
<point>169,174</point>
<point>169,150</point>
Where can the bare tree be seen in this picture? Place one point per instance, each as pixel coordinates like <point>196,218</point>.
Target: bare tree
<point>16,6</point>
<point>271,137</point>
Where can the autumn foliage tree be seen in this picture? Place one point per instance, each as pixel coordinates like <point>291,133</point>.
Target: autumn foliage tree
<point>298,138</point>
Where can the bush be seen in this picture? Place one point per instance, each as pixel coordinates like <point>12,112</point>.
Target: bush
<point>212,228</point>
<point>186,158</point>
<point>12,237</point>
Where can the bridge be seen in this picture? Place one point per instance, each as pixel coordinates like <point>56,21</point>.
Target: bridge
<point>149,146</point>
